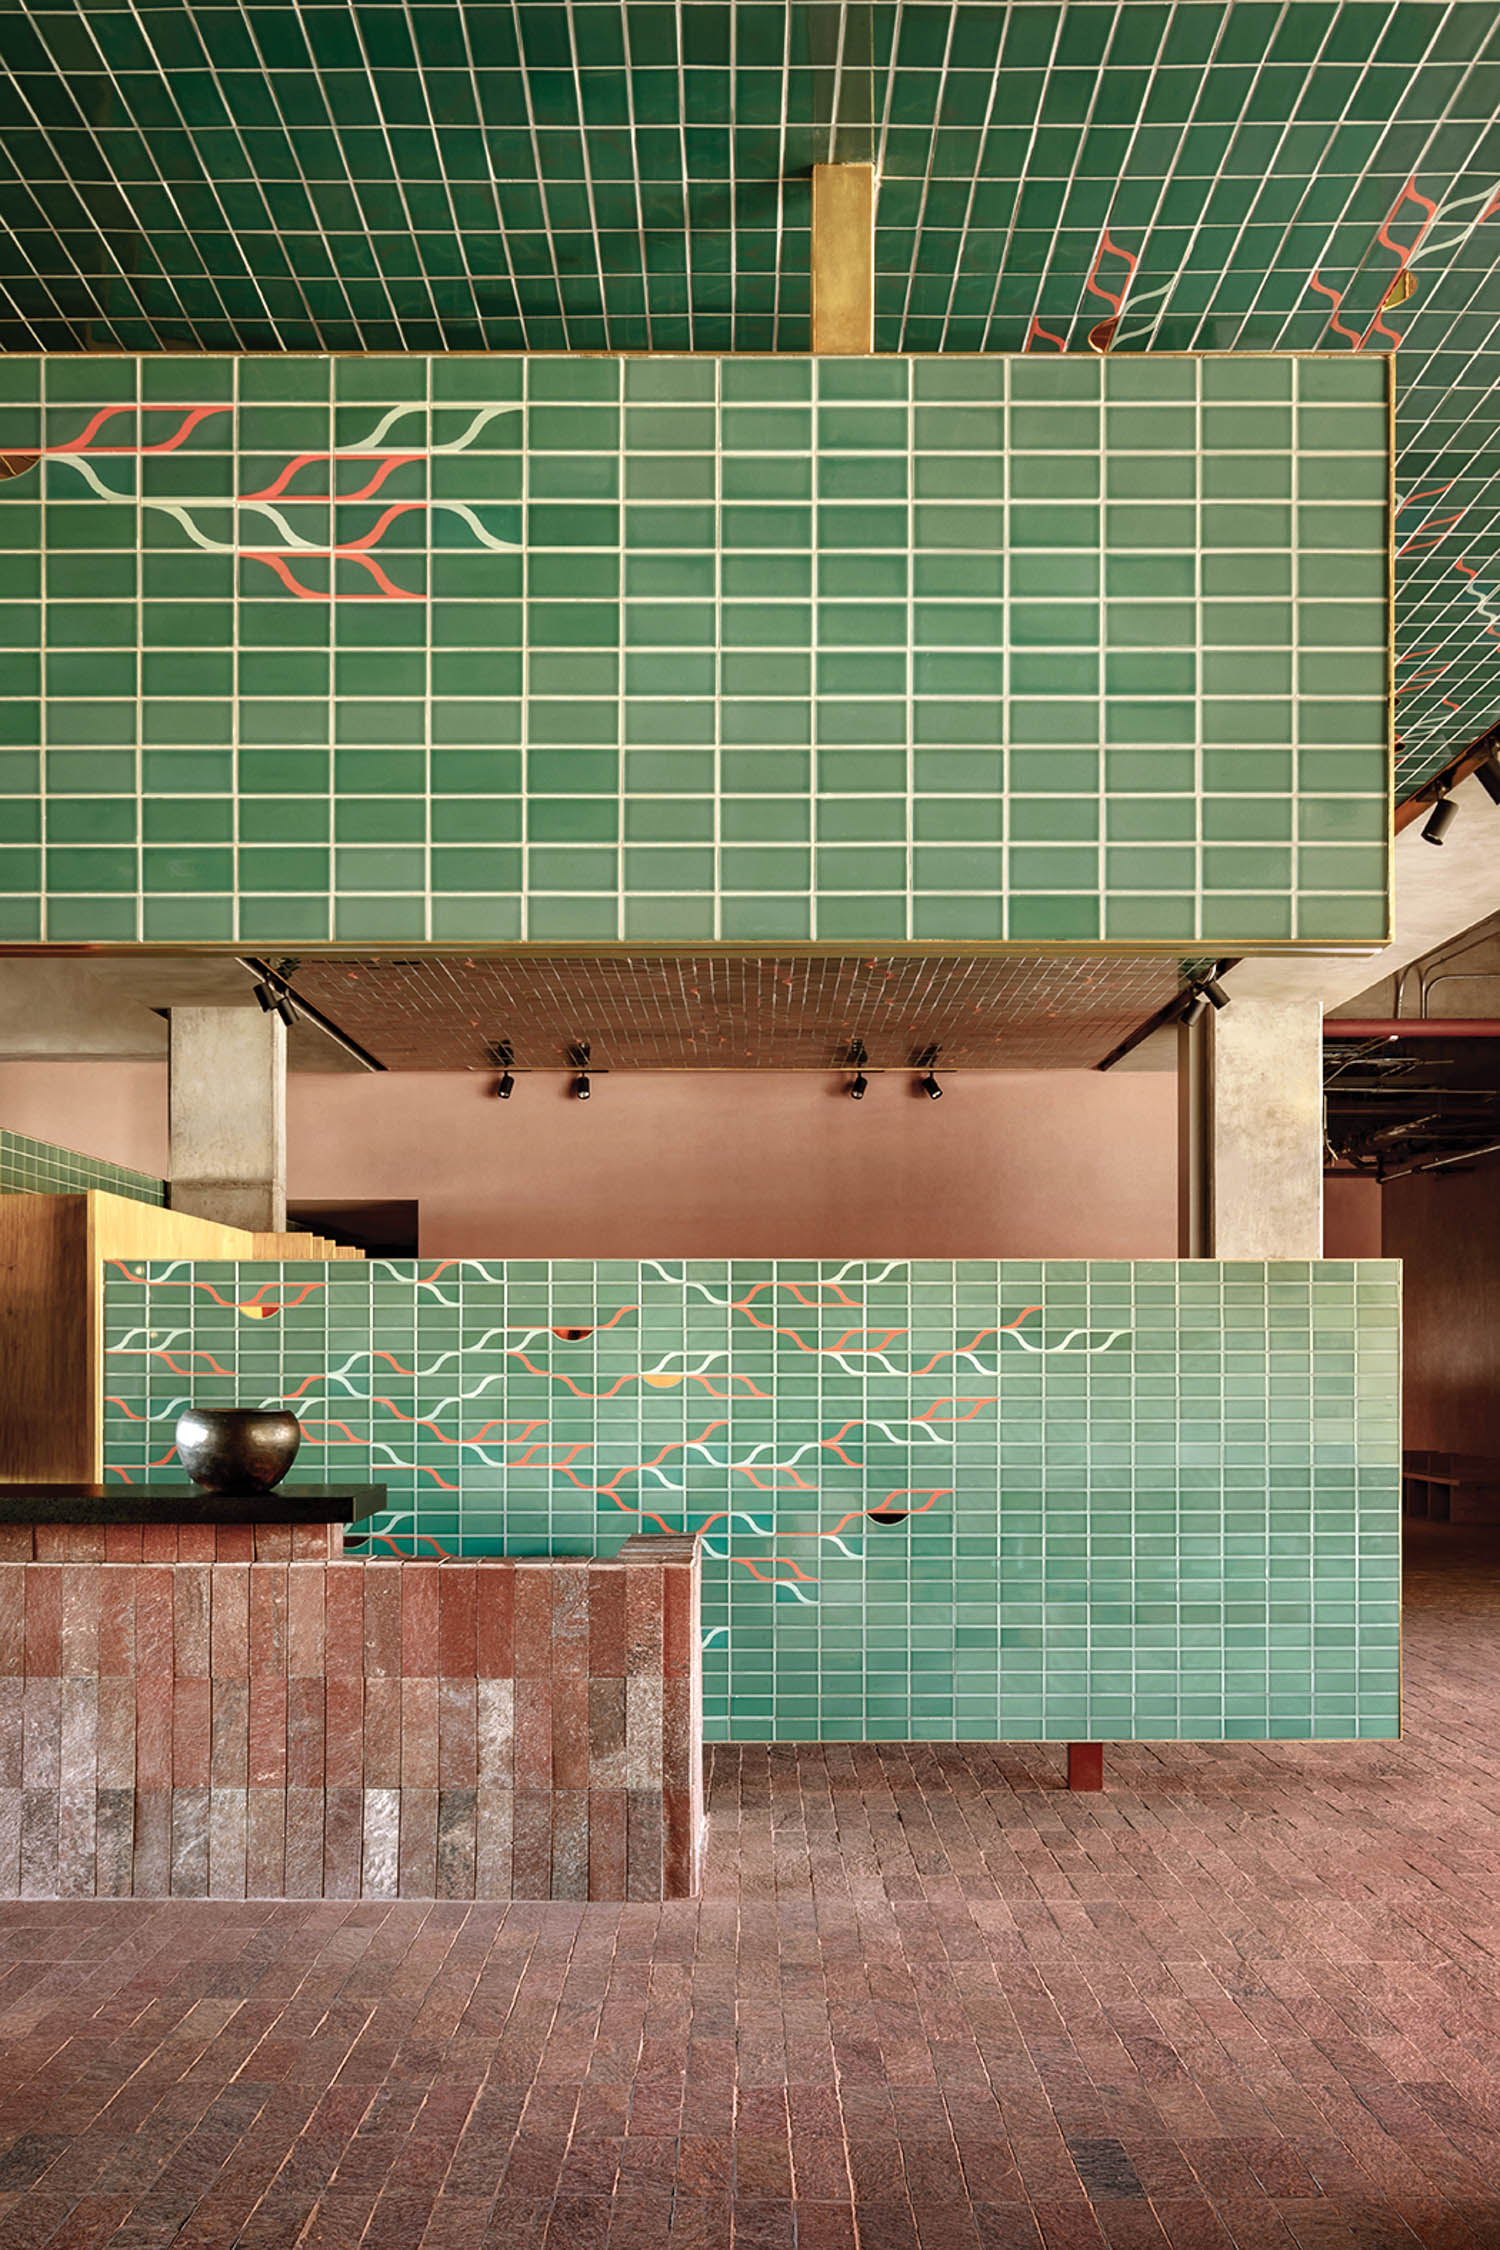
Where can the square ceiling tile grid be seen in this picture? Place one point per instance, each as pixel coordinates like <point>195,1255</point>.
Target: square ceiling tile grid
<point>430,175</point>
<point>644,1010</point>
<point>752,650</point>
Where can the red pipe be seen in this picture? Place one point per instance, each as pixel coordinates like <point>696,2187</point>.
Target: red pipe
<point>1411,1027</point>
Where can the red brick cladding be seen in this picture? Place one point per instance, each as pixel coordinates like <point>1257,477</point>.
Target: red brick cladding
<point>331,1729</point>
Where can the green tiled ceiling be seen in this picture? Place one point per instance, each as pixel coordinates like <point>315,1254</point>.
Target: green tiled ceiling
<point>1069,1500</point>
<point>429,175</point>
<point>756,649</point>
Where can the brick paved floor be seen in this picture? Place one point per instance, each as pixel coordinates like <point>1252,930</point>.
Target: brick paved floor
<point>1245,1997</point>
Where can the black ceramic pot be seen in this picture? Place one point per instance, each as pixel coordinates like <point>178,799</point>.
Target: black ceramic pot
<point>237,1448</point>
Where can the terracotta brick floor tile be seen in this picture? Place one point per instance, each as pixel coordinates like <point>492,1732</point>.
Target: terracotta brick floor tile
<point>1006,2226</point>
<point>1254,2226</point>
<point>515,2220</point>
<point>1068,2225</point>
<point>701,2222</point>
<point>825,2226</point>
<point>886,2226</point>
<point>639,2216</point>
<point>1246,1998</point>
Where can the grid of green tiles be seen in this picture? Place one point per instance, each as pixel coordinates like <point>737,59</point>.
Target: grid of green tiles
<point>633,175</point>
<point>1078,1501</point>
<point>30,1167</point>
<point>673,650</point>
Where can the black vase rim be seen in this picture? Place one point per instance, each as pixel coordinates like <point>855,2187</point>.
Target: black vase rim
<point>222,1413</point>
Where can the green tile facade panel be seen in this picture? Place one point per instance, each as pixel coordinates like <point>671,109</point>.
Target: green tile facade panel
<point>1071,1501</point>
<point>417,175</point>
<point>30,1167</point>
<point>566,649</point>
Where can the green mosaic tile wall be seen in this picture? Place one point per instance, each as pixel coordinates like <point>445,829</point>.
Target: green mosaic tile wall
<point>30,1167</point>
<point>479,649</point>
<point>1076,1501</point>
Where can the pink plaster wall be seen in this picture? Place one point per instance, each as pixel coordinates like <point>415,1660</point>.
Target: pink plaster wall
<point>1015,1164</point>
<point>1351,1216</point>
<point>113,1110</point>
<point>1445,1228</point>
<point>1035,1164</point>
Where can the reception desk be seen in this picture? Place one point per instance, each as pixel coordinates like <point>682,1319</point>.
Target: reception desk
<point>200,1700</point>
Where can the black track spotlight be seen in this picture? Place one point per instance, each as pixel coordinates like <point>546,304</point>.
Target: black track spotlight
<point>1438,822</point>
<point>931,1088</point>
<point>275,1000</point>
<point>1214,992</point>
<point>578,1056</point>
<point>505,1086</point>
<point>1488,777</point>
<point>1196,1009</point>
<point>581,1089</point>
<point>859,1086</point>
<point>926,1062</point>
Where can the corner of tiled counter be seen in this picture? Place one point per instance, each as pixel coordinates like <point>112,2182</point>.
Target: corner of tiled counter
<point>325,1728</point>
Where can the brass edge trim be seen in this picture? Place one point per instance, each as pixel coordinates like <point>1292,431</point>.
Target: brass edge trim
<point>169,353</point>
<point>759,949</point>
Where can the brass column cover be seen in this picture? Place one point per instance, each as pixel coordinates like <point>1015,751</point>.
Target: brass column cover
<point>843,258</point>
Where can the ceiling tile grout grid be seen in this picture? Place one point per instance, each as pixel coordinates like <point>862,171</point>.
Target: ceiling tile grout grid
<point>654,1010</point>
<point>1234,173</point>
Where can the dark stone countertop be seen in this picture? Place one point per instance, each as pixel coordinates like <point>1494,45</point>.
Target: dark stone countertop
<point>184,1503</point>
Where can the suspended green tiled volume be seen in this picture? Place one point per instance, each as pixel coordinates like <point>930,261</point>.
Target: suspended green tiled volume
<point>312,649</point>
<point>634,175</point>
<point>1077,1501</point>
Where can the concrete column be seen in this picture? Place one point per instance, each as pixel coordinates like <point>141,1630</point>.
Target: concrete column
<point>1194,1231</point>
<point>227,1116</point>
<point>1252,1140</point>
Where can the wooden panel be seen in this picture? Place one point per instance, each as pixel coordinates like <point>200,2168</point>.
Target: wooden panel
<point>123,1229</point>
<point>49,1341</point>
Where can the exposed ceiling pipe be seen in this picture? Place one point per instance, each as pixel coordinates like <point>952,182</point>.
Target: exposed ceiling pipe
<point>1411,1027</point>
<point>1441,1163</point>
<point>1438,965</point>
<point>1455,976</point>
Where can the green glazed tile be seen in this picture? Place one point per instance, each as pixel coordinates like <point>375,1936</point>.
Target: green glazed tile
<point>911,577</point>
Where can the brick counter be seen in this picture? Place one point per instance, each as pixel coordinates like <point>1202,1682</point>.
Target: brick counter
<point>333,1729</point>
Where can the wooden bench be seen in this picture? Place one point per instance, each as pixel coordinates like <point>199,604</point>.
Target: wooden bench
<point>1451,1487</point>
